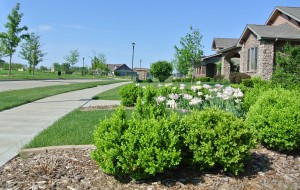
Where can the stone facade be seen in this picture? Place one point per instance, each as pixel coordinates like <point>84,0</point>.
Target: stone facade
<point>249,43</point>
<point>265,59</point>
<point>225,70</point>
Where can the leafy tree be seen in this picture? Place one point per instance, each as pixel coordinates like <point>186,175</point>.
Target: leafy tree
<point>10,40</point>
<point>31,51</point>
<point>43,68</point>
<point>190,52</point>
<point>287,71</point>
<point>66,67</point>
<point>73,57</point>
<point>57,66</point>
<point>99,63</point>
<point>161,70</point>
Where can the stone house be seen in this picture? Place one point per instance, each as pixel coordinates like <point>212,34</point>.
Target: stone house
<point>256,48</point>
<point>122,69</point>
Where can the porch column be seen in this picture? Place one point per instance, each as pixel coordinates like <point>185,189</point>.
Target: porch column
<point>225,70</point>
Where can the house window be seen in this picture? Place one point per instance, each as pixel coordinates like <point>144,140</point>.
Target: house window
<point>252,59</point>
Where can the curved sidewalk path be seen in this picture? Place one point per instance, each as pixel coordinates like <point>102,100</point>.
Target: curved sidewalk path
<point>20,124</point>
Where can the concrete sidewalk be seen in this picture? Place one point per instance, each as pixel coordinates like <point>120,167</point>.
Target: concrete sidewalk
<point>20,124</point>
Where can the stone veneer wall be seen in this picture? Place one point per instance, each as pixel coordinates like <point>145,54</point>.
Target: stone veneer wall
<point>225,70</point>
<point>265,59</point>
<point>250,42</point>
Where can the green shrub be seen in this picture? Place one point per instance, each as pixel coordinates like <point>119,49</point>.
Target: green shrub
<point>248,83</point>
<point>203,79</point>
<point>218,78</point>
<point>166,90</point>
<point>236,78</point>
<point>138,147</point>
<point>287,70</point>
<point>251,95</point>
<point>187,80</point>
<point>129,94</point>
<point>276,117</point>
<point>107,139</point>
<point>149,80</point>
<point>150,146</point>
<point>217,138</point>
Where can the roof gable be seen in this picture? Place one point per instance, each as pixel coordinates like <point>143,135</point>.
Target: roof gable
<point>292,12</point>
<point>223,43</point>
<point>283,31</point>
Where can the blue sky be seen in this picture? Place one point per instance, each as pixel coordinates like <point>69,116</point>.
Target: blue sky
<point>110,26</point>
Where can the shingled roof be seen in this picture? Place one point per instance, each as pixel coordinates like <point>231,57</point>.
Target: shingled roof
<point>113,67</point>
<point>292,12</point>
<point>283,31</point>
<point>223,43</point>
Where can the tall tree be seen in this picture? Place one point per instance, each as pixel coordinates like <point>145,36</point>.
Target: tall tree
<point>73,57</point>
<point>10,40</point>
<point>190,52</point>
<point>99,63</point>
<point>31,51</point>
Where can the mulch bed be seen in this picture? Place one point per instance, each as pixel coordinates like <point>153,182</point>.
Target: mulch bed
<point>74,169</point>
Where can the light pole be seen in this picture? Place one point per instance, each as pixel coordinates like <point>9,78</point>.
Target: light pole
<point>82,65</point>
<point>133,44</point>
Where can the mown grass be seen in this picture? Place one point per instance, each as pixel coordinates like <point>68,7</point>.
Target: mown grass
<point>76,128</point>
<point>13,98</point>
<point>112,94</point>
<point>25,75</point>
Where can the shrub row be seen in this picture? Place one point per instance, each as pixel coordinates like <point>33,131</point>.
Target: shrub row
<point>275,116</point>
<point>153,140</point>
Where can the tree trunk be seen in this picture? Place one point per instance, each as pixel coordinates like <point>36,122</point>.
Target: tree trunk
<point>9,68</point>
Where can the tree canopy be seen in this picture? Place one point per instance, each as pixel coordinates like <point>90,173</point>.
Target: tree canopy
<point>31,51</point>
<point>161,70</point>
<point>99,63</point>
<point>10,40</point>
<point>73,57</point>
<point>190,52</point>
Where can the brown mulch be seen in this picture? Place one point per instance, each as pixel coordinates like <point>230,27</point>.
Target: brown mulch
<point>74,169</point>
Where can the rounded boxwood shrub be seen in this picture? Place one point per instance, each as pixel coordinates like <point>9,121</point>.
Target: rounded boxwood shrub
<point>107,139</point>
<point>150,146</point>
<point>236,78</point>
<point>129,94</point>
<point>217,138</point>
<point>276,118</point>
<point>137,147</point>
<point>248,83</point>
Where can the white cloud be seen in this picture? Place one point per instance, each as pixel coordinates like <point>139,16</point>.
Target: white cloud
<point>43,28</point>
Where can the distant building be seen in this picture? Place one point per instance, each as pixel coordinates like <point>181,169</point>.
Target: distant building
<point>142,73</point>
<point>119,69</point>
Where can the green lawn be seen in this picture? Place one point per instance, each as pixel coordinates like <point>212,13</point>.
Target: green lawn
<point>25,75</point>
<point>13,98</point>
<point>75,128</point>
<point>112,94</point>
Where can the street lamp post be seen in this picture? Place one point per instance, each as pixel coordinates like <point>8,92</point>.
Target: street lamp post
<point>82,65</point>
<point>133,44</point>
